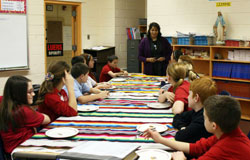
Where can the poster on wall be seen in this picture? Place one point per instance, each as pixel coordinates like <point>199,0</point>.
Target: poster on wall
<point>54,49</point>
<point>13,6</point>
<point>221,3</point>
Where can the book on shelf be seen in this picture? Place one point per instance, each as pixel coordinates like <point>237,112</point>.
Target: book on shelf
<point>101,150</point>
<point>133,33</point>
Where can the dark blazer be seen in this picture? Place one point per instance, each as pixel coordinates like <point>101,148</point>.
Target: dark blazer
<point>144,52</point>
<point>194,123</point>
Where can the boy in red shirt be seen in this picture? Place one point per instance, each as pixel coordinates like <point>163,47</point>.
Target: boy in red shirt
<point>110,70</point>
<point>222,116</point>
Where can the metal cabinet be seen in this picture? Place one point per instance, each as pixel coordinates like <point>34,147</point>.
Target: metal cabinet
<point>133,64</point>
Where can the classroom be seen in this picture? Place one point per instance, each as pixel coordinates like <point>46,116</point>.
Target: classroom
<point>57,30</point>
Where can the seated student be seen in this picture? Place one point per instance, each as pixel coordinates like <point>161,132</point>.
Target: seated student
<point>78,59</point>
<point>187,59</point>
<point>190,76</point>
<point>179,90</point>
<point>91,82</point>
<point>110,70</point>
<point>18,121</point>
<point>191,123</point>
<point>52,99</point>
<point>90,63</point>
<point>222,116</point>
<point>176,55</point>
<point>80,72</point>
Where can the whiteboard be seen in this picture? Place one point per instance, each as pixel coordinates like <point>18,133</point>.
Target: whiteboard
<point>13,42</point>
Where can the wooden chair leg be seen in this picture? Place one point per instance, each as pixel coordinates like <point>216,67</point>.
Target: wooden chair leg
<point>142,67</point>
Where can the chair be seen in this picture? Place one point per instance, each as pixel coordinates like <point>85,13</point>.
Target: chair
<point>36,88</point>
<point>225,93</point>
<point>2,152</point>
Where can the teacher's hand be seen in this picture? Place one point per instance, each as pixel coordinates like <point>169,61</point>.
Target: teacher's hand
<point>161,59</point>
<point>152,60</point>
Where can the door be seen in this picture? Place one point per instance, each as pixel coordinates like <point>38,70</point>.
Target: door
<point>62,31</point>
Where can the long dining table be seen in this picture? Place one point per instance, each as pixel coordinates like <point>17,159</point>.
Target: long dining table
<point>116,120</point>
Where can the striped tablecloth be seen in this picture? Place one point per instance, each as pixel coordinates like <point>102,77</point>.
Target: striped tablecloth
<point>116,120</point>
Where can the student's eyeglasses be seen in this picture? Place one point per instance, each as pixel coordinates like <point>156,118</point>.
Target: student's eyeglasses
<point>89,57</point>
<point>30,91</point>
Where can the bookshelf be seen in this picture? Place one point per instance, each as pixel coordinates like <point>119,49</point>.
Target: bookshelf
<point>238,87</point>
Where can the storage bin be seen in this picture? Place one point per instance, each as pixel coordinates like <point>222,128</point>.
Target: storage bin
<point>203,40</point>
<point>185,40</point>
<point>237,43</point>
<point>172,40</point>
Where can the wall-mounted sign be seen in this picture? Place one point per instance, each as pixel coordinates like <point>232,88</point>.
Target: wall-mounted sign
<point>223,4</point>
<point>13,6</point>
<point>54,49</point>
<point>49,7</point>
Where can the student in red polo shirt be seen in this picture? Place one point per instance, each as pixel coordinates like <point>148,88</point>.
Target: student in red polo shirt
<point>18,122</point>
<point>52,99</point>
<point>222,116</point>
<point>179,90</point>
<point>110,70</point>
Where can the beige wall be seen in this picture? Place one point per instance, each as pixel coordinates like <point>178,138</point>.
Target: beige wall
<point>127,14</point>
<point>98,22</point>
<point>106,23</point>
<point>199,16</point>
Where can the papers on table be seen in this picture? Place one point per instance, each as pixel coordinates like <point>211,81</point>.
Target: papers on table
<point>121,94</point>
<point>100,150</point>
<point>98,48</point>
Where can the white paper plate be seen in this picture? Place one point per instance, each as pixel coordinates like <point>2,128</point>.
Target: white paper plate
<point>158,127</point>
<point>119,79</point>
<point>87,108</point>
<point>153,154</point>
<point>61,132</point>
<point>159,105</point>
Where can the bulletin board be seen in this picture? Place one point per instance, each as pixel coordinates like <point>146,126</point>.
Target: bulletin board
<point>13,35</point>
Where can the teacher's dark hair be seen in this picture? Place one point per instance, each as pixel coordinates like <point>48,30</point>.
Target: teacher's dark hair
<point>156,25</point>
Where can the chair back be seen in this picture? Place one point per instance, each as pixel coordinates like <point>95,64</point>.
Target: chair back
<point>2,153</point>
<point>36,88</point>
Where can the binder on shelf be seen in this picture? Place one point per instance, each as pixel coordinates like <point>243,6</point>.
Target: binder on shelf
<point>241,71</point>
<point>222,69</point>
<point>133,33</point>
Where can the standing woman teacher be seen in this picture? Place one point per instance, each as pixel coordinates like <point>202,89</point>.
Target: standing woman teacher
<point>154,51</point>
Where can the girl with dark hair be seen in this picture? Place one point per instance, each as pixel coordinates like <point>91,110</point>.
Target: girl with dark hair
<point>90,63</point>
<point>18,121</point>
<point>52,99</point>
<point>154,51</point>
<point>91,82</point>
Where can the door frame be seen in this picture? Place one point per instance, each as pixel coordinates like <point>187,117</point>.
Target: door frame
<point>76,26</point>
